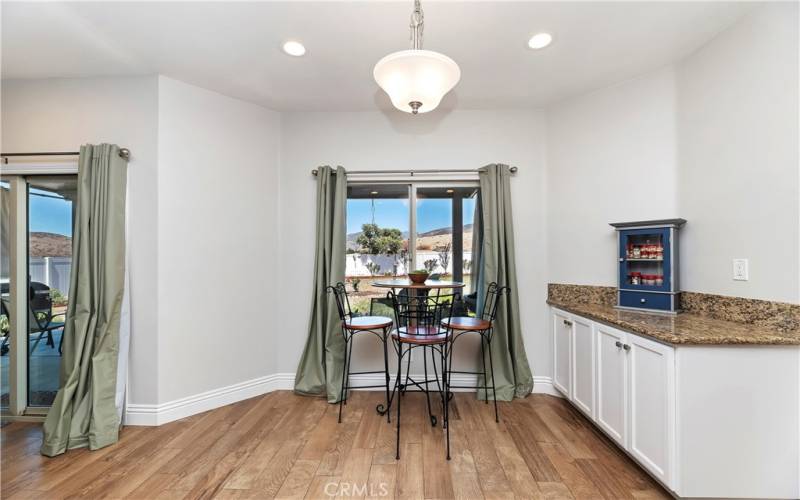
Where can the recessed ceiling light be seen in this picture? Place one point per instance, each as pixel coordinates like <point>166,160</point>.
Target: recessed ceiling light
<point>450,191</point>
<point>540,41</point>
<point>294,48</point>
<point>373,192</point>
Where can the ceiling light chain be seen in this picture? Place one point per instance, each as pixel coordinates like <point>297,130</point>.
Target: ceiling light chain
<point>417,26</point>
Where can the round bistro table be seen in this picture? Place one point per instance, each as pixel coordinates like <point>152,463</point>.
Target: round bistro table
<point>415,289</point>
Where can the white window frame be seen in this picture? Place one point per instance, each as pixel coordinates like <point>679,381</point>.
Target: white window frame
<point>378,180</point>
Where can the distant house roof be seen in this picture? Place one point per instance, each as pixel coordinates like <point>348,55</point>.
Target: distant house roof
<point>50,245</point>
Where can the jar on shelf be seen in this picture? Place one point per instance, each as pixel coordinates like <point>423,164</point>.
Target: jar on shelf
<point>635,278</point>
<point>659,279</point>
<point>629,251</point>
<point>637,252</point>
<point>648,279</point>
<point>660,252</point>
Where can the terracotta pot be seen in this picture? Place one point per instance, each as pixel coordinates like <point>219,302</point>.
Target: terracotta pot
<point>418,278</point>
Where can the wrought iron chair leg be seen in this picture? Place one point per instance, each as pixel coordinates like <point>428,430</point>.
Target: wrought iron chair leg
<point>427,393</point>
<point>436,376</point>
<point>446,399</point>
<point>494,392</point>
<point>404,386</point>
<point>345,370</point>
<point>386,369</point>
<point>349,361</point>
<point>485,378</point>
<point>399,399</point>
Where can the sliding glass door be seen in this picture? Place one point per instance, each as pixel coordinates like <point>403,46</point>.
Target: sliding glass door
<point>393,228</point>
<point>37,223</point>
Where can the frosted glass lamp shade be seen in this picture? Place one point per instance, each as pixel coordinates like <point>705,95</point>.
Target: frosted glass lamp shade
<point>416,76</point>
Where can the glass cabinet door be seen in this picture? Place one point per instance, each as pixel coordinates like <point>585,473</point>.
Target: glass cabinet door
<point>644,259</point>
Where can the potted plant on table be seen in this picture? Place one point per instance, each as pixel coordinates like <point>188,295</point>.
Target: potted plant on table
<point>418,276</point>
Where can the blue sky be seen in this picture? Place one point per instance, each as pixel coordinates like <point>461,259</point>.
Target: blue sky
<point>431,213</point>
<point>49,215</point>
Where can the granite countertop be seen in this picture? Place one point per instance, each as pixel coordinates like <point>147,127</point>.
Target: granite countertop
<point>683,328</point>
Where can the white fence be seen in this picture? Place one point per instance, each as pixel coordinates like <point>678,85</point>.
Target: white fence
<point>390,264</point>
<point>52,271</point>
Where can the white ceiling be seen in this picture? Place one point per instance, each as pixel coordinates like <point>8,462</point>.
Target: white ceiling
<point>234,48</point>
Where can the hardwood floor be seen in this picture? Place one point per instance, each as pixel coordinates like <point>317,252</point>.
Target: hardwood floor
<point>285,446</point>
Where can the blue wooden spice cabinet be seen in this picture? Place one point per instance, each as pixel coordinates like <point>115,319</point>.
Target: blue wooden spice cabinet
<point>648,265</point>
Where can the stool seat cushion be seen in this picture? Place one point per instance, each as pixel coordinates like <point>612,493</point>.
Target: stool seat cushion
<point>367,322</point>
<point>466,323</point>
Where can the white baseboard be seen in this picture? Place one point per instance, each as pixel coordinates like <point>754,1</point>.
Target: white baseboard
<point>144,414</point>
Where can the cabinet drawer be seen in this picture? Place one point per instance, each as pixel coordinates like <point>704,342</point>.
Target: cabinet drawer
<point>660,301</point>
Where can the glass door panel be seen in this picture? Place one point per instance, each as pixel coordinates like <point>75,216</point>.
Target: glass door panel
<point>5,289</point>
<point>444,223</point>
<point>50,218</point>
<point>434,231</point>
<point>377,242</point>
<point>644,260</point>
<point>469,207</point>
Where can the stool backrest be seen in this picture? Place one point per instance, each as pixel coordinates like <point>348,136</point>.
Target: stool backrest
<point>422,314</point>
<point>342,301</point>
<point>493,295</point>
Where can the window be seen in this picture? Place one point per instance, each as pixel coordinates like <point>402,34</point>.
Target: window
<point>386,238</point>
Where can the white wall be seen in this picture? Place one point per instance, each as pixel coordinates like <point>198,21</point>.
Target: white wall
<point>392,140</point>
<point>218,212</point>
<point>62,114</point>
<point>610,158</point>
<point>713,140</point>
<point>738,158</point>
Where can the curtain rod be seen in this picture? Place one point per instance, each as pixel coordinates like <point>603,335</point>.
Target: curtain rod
<point>123,153</point>
<point>513,170</point>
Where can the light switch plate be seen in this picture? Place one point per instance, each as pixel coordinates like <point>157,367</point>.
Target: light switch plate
<point>741,271</point>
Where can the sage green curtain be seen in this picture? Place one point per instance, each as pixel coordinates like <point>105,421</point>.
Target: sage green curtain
<point>320,370</point>
<point>512,372</point>
<point>84,411</point>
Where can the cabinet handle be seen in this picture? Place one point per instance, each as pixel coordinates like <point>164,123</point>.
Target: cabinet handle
<point>618,344</point>
<point>622,259</point>
<point>644,300</point>
<point>568,322</point>
<point>626,347</point>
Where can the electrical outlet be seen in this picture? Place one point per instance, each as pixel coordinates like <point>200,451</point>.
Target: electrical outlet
<point>741,270</point>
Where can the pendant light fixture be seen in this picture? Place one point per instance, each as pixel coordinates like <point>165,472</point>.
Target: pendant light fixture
<point>416,79</point>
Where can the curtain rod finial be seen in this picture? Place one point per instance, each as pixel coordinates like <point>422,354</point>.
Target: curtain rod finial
<point>513,170</point>
<point>314,172</point>
<point>125,153</point>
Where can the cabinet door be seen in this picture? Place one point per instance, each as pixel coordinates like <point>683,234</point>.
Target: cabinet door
<point>583,369</point>
<point>562,333</point>
<point>612,374</point>
<point>652,405</point>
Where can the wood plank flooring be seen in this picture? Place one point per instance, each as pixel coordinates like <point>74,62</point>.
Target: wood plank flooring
<point>281,445</point>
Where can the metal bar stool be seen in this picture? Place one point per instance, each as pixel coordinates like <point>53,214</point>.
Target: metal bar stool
<point>418,319</point>
<point>380,326</point>
<point>484,326</point>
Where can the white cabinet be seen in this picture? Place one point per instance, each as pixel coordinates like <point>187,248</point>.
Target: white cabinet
<point>652,405</point>
<point>562,340</point>
<point>583,365</point>
<point>624,383</point>
<point>707,421</point>
<point>612,382</point>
